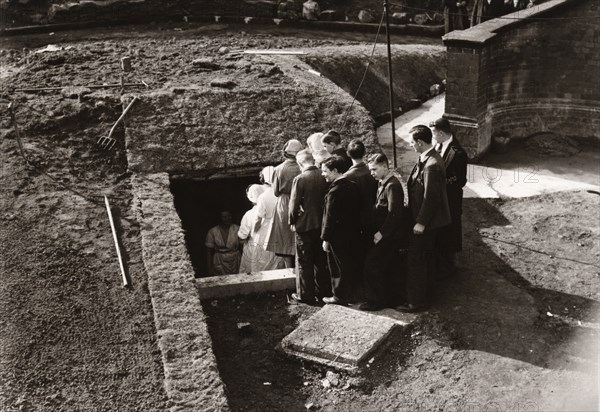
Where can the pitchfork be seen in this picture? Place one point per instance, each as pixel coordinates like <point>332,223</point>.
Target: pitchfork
<point>108,142</point>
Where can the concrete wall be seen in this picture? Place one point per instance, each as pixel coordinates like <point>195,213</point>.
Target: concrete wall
<point>519,76</point>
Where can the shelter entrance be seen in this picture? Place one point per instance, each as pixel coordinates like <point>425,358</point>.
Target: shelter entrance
<point>199,202</point>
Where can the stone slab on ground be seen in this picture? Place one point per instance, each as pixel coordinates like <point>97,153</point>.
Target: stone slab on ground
<point>244,284</point>
<point>339,337</point>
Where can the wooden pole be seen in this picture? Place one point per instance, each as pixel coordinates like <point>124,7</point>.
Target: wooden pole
<point>114,233</point>
<point>386,8</point>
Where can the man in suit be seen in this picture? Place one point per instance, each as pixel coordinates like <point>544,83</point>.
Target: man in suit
<point>428,204</point>
<point>341,230</point>
<point>381,263</point>
<point>332,141</point>
<point>306,215</point>
<point>449,240</point>
<point>367,185</point>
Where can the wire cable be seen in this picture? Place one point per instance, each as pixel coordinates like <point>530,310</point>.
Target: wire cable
<point>538,251</point>
<point>364,74</point>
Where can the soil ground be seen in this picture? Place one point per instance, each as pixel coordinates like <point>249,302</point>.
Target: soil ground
<point>517,326</point>
<point>517,330</point>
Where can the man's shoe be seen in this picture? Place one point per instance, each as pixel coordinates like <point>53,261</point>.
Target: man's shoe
<point>334,301</point>
<point>295,299</point>
<point>369,307</point>
<point>410,308</point>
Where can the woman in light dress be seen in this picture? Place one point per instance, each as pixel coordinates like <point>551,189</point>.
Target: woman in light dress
<point>266,204</point>
<point>255,258</point>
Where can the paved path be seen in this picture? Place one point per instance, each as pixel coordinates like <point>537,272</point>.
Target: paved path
<point>517,174</point>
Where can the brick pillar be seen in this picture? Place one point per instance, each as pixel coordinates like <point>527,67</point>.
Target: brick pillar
<point>466,94</point>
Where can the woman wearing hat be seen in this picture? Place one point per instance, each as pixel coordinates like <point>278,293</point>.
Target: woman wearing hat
<point>281,239</point>
<point>255,258</point>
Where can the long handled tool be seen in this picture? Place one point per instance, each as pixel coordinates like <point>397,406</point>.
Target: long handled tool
<point>108,142</point>
<point>114,233</point>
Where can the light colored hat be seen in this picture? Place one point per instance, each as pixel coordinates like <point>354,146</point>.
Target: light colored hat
<point>293,146</point>
<point>267,174</point>
<point>254,191</point>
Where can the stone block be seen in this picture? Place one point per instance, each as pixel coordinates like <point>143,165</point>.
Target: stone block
<point>244,284</point>
<point>341,337</point>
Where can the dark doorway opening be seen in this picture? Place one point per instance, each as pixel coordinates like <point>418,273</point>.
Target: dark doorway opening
<point>199,202</point>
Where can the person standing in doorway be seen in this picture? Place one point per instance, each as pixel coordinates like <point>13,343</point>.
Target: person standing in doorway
<point>428,204</point>
<point>223,247</point>
<point>341,230</point>
<point>281,240</point>
<point>449,239</point>
<point>306,215</point>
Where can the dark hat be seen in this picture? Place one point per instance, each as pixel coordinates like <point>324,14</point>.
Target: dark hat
<point>441,124</point>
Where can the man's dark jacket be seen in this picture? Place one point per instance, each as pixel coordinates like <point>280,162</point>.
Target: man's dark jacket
<point>341,217</point>
<point>307,200</point>
<point>456,160</point>
<point>427,197</point>
<point>389,208</point>
<point>367,186</point>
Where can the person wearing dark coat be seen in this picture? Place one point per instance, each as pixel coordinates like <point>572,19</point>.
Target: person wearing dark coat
<point>455,15</point>
<point>449,240</point>
<point>341,230</point>
<point>359,173</point>
<point>381,265</point>
<point>428,204</point>
<point>306,216</point>
<point>332,141</point>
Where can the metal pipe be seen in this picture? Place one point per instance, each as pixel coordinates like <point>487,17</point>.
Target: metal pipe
<point>386,8</point>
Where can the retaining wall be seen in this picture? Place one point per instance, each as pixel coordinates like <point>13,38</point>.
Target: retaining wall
<point>537,70</point>
<point>192,380</point>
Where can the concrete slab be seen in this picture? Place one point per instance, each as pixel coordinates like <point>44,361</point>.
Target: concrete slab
<point>340,337</point>
<point>244,284</point>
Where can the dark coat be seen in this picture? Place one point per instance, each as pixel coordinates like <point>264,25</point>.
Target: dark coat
<point>427,198</point>
<point>367,186</point>
<point>307,200</point>
<point>341,219</point>
<point>456,160</point>
<point>389,208</point>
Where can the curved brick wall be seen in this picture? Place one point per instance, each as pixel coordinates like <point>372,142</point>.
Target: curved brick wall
<point>521,76</point>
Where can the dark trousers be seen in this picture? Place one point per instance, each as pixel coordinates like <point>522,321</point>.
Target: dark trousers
<point>365,244</point>
<point>448,242</point>
<point>343,267</point>
<point>382,275</point>
<point>312,276</point>
<point>421,268</point>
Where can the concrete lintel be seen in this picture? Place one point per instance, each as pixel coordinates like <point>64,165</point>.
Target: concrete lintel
<point>244,284</point>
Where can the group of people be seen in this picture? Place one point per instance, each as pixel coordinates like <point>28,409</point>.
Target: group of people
<point>345,222</point>
<point>456,15</point>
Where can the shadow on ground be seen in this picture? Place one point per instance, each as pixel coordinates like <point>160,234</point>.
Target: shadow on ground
<point>482,311</point>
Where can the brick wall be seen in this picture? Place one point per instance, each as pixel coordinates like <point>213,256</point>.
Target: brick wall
<point>538,70</point>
